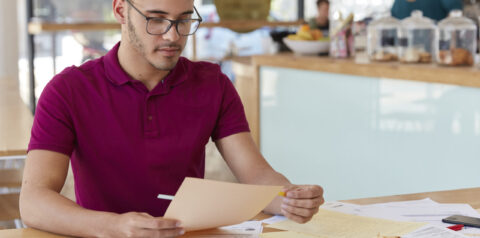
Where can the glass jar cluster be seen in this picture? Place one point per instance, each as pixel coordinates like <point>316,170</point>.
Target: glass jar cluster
<point>417,39</point>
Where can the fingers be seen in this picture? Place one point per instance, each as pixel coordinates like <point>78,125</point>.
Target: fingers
<point>304,203</point>
<point>134,224</point>
<point>304,191</point>
<point>300,211</point>
<point>146,221</point>
<point>294,214</point>
<point>156,223</point>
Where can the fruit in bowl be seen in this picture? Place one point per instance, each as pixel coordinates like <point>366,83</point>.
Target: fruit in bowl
<point>307,41</point>
<point>305,33</point>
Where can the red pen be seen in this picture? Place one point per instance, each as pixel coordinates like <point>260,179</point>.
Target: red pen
<point>455,227</point>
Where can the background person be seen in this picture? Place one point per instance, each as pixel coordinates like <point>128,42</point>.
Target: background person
<point>321,21</point>
<point>433,9</point>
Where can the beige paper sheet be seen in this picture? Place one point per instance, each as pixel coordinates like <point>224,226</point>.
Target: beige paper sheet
<point>203,204</point>
<point>340,225</point>
<point>288,234</point>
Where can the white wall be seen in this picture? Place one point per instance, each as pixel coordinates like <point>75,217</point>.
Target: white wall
<point>8,39</point>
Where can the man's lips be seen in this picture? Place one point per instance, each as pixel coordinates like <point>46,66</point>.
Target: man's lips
<point>169,51</point>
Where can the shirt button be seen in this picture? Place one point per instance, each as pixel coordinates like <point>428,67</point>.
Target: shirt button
<point>150,118</point>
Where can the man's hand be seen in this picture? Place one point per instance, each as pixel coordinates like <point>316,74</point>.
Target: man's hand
<point>301,202</point>
<point>134,224</point>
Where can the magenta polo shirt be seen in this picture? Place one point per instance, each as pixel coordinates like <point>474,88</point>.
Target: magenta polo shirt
<point>128,144</point>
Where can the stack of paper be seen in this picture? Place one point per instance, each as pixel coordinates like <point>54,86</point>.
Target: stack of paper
<point>425,210</point>
<point>419,219</point>
<point>341,225</point>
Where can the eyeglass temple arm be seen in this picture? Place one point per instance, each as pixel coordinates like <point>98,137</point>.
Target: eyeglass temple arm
<point>196,11</point>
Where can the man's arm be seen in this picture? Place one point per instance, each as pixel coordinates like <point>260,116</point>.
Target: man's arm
<point>42,206</point>
<point>249,166</point>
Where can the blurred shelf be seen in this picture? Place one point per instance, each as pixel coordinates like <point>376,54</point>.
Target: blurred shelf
<point>248,25</point>
<point>41,27</point>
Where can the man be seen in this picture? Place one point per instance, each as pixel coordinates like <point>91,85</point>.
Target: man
<point>434,9</point>
<point>321,21</point>
<point>135,124</point>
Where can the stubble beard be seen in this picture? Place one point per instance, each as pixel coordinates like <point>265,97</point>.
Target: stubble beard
<point>135,41</point>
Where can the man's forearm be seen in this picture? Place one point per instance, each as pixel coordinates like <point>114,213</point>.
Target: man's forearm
<point>48,210</point>
<point>270,177</point>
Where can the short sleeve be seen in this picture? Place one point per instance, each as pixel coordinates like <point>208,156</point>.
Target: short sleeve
<point>52,126</point>
<point>231,119</point>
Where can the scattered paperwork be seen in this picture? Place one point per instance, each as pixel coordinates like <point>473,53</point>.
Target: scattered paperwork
<point>328,223</point>
<point>248,229</point>
<point>274,219</point>
<point>425,210</point>
<point>203,204</point>
<point>430,231</point>
<point>379,220</point>
<point>287,234</point>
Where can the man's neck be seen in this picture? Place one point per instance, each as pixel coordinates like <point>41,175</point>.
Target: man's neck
<point>138,69</point>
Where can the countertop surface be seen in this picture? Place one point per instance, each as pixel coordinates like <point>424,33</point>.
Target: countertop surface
<point>361,66</point>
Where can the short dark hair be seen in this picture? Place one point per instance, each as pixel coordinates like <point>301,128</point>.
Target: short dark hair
<point>322,1</point>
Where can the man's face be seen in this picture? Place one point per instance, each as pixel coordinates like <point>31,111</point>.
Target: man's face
<point>160,51</point>
<point>323,9</point>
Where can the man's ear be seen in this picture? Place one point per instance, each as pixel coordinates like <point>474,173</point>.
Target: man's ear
<point>120,11</point>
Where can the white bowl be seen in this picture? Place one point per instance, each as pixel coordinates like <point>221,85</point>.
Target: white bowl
<point>305,47</point>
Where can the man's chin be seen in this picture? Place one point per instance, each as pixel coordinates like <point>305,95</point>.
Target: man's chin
<point>166,64</point>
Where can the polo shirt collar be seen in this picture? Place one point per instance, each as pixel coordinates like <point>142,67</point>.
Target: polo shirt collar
<point>118,76</point>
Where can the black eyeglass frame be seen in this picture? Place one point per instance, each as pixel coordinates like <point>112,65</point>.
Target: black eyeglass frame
<point>171,21</point>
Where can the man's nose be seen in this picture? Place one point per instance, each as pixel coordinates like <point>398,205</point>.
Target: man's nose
<point>171,34</point>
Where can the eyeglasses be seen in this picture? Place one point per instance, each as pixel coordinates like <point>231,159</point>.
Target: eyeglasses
<point>160,26</point>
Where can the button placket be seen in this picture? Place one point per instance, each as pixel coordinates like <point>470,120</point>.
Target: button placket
<point>150,114</point>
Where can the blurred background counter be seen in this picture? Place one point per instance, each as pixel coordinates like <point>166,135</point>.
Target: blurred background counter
<point>401,128</point>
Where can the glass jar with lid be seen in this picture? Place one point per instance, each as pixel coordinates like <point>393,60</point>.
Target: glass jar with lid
<point>417,39</point>
<point>382,40</point>
<point>457,43</point>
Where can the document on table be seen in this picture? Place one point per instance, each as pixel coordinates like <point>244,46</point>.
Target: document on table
<point>274,219</point>
<point>430,231</point>
<point>425,210</point>
<point>424,232</point>
<point>341,225</point>
<point>288,234</point>
<point>248,229</point>
<point>203,204</point>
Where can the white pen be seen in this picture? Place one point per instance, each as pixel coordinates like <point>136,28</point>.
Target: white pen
<point>166,197</point>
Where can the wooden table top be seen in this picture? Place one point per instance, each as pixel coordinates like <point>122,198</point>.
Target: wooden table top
<point>15,120</point>
<point>470,196</point>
